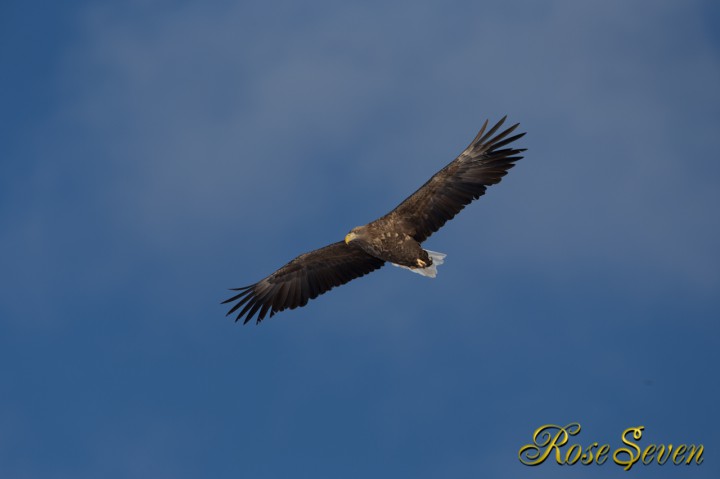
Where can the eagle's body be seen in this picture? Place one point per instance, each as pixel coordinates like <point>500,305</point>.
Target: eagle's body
<point>394,238</point>
<point>388,240</point>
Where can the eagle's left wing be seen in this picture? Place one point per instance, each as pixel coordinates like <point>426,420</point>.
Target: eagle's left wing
<point>483,163</point>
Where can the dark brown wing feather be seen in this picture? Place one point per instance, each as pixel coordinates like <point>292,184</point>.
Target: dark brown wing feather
<point>465,179</point>
<point>302,279</point>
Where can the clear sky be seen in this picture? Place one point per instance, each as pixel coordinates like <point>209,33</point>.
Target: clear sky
<point>155,153</point>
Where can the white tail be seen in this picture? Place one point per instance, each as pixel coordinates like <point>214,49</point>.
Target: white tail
<point>430,271</point>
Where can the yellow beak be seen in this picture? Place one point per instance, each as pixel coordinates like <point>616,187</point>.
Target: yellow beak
<point>349,237</point>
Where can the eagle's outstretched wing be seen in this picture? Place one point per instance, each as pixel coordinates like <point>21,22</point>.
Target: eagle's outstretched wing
<point>465,179</point>
<point>302,279</point>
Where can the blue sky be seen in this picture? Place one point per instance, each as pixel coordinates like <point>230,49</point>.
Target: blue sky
<point>156,153</point>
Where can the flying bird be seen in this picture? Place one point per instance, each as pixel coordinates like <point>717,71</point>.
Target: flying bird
<point>395,237</point>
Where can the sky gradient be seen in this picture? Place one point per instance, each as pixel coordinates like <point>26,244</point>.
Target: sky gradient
<point>156,153</point>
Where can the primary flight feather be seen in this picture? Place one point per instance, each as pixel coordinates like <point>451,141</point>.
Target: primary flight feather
<point>394,238</point>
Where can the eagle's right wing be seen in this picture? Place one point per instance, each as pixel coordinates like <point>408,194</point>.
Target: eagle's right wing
<point>302,279</point>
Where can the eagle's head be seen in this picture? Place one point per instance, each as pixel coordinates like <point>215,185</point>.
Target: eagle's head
<point>355,233</point>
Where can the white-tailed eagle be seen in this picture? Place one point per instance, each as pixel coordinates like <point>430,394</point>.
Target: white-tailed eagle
<point>394,238</point>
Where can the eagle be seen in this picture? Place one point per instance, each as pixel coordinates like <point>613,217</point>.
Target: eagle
<point>395,238</point>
